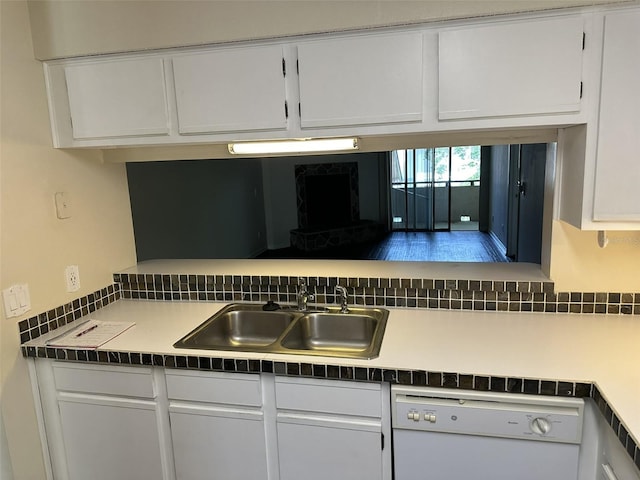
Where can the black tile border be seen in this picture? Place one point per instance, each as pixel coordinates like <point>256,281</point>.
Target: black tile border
<point>473,295</point>
<point>631,445</point>
<point>521,385</point>
<point>36,326</point>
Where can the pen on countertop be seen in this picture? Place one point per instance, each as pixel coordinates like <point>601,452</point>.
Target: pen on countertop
<point>86,331</point>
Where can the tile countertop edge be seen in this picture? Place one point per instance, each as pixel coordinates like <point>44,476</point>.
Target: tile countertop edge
<point>452,347</point>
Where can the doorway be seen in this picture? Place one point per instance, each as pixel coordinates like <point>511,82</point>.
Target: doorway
<point>512,198</point>
<point>497,191</point>
<point>435,189</point>
<point>527,165</point>
<point>412,184</point>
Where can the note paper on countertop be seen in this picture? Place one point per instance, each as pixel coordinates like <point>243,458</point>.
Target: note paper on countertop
<point>90,334</point>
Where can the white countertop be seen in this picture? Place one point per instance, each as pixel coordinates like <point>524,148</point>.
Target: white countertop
<point>574,347</point>
<point>345,268</point>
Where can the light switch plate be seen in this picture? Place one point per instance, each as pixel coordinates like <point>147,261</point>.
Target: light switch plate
<point>16,300</point>
<point>63,205</point>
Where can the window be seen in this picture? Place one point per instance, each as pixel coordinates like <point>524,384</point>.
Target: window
<point>421,180</point>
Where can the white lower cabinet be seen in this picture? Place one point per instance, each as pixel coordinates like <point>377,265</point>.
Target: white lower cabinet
<point>332,429</point>
<point>210,442</point>
<point>151,423</point>
<point>321,448</point>
<point>101,422</point>
<point>107,438</point>
<point>613,461</point>
<point>217,425</point>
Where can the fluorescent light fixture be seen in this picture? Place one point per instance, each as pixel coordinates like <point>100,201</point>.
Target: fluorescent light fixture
<point>294,146</point>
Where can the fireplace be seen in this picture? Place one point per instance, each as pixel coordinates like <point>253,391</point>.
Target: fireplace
<point>328,205</point>
<point>327,195</point>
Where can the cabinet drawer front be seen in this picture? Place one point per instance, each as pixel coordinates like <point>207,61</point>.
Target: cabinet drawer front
<point>207,410</point>
<point>124,381</point>
<point>214,387</point>
<point>347,398</point>
<point>330,421</point>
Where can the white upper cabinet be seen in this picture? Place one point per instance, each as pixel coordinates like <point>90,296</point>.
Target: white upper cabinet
<point>465,76</point>
<point>510,69</point>
<point>365,80</point>
<point>227,90</point>
<point>617,180</point>
<point>599,171</point>
<point>117,98</point>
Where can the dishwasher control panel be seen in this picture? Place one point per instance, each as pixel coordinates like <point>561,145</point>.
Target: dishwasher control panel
<point>486,413</point>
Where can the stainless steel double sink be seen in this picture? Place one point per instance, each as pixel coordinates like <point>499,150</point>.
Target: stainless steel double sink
<point>325,331</point>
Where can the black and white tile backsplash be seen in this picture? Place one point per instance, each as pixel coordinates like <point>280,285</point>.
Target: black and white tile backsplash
<point>385,292</point>
<point>478,295</point>
<point>34,327</point>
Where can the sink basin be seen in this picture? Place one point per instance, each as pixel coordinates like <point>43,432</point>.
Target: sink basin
<point>238,327</point>
<point>336,334</point>
<point>247,328</point>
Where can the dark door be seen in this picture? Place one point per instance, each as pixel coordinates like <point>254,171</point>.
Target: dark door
<point>531,200</point>
<point>513,208</point>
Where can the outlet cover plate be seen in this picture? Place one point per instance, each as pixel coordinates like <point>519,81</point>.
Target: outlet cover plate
<point>72,276</point>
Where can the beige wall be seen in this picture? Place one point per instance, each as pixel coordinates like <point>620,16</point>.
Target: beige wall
<point>35,245</point>
<point>72,27</point>
<point>578,264</point>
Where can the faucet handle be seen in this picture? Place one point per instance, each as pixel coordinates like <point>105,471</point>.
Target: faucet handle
<point>303,294</point>
<point>342,291</point>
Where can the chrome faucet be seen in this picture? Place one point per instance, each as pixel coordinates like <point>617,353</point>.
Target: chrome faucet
<point>342,291</point>
<point>303,295</point>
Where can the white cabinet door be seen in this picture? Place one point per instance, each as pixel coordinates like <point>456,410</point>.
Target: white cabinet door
<point>617,182</point>
<point>217,443</point>
<point>314,449</point>
<point>332,429</point>
<point>117,98</point>
<point>239,89</point>
<point>361,80</point>
<point>217,425</point>
<point>520,68</point>
<point>107,438</point>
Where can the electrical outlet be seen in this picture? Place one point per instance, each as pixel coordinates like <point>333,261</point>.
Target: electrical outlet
<point>72,274</point>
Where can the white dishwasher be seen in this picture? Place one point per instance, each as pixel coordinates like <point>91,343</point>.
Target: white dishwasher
<point>445,434</point>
